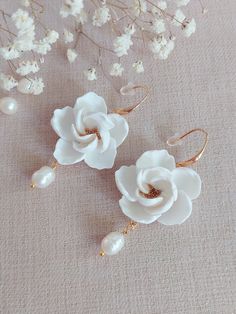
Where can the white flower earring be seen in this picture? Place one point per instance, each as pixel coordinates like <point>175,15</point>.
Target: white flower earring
<point>156,188</point>
<point>87,133</point>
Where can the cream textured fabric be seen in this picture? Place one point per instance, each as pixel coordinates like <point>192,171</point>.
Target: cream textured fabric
<point>49,239</point>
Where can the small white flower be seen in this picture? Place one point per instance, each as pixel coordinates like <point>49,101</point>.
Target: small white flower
<point>130,29</point>
<point>87,132</point>
<point>7,82</point>
<point>116,69</point>
<point>91,74</point>
<point>122,44</point>
<point>178,18</point>
<point>37,86</point>
<point>161,47</point>
<point>25,3</point>
<point>71,55</point>
<point>25,39</point>
<point>27,67</point>
<point>162,5</point>
<point>22,20</point>
<point>154,189</point>
<point>101,16</point>
<point>71,7</point>
<point>68,36</point>
<point>51,37</point>
<point>82,18</point>
<point>158,26</point>
<point>138,66</point>
<point>139,6</point>
<point>181,3</point>
<point>42,47</point>
<point>9,52</point>
<point>189,27</point>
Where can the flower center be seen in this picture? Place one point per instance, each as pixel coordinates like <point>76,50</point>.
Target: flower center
<point>92,131</point>
<point>153,192</point>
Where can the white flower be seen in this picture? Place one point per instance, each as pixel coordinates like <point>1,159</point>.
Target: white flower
<point>22,20</point>
<point>138,66</point>
<point>181,3</point>
<point>27,67</point>
<point>68,36</point>
<point>158,26</point>
<point>130,29</point>
<point>116,69</point>
<point>71,55</point>
<point>139,6</point>
<point>9,52</point>
<point>189,27</point>
<point>71,7</point>
<point>91,74</point>
<point>42,47</point>
<point>162,5</point>
<point>122,44</point>
<point>154,189</point>
<point>161,47</point>
<point>25,40</point>
<point>82,18</point>
<point>101,16</point>
<point>25,3</point>
<point>87,132</point>
<point>51,37</point>
<point>7,82</point>
<point>178,18</point>
<point>37,86</point>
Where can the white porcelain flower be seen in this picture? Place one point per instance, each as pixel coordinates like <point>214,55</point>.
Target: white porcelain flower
<point>154,189</point>
<point>87,132</point>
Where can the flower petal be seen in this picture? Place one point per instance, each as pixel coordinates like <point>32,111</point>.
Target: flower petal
<point>136,212</point>
<point>156,158</point>
<point>86,147</point>
<point>65,154</point>
<point>98,120</point>
<point>179,212</point>
<point>105,140</point>
<point>62,121</point>
<point>126,182</point>
<point>120,130</point>
<point>91,102</point>
<point>188,181</point>
<point>105,160</point>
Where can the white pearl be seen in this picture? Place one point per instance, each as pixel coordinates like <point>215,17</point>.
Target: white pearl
<point>113,243</point>
<point>43,177</point>
<point>8,105</point>
<point>24,86</point>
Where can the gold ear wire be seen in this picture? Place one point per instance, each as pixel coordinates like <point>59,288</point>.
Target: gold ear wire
<point>124,111</point>
<point>196,157</point>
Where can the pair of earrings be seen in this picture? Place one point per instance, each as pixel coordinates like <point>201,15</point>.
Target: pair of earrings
<point>156,188</point>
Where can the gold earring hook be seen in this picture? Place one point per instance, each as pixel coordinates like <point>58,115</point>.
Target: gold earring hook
<point>124,111</point>
<point>196,157</point>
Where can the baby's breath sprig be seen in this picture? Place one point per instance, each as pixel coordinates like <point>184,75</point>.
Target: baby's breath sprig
<point>22,47</point>
<point>127,22</point>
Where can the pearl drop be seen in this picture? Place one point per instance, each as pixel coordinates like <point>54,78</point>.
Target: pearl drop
<point>24,86</point>
<point>8,105</point>
<point>113,243</point>
<point>43,177</point>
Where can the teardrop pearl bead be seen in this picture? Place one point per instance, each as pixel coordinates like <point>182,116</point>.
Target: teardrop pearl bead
<point>113,243</point>
<point>8,105</point>
<point>24,86</point>
<point>43,177</point>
